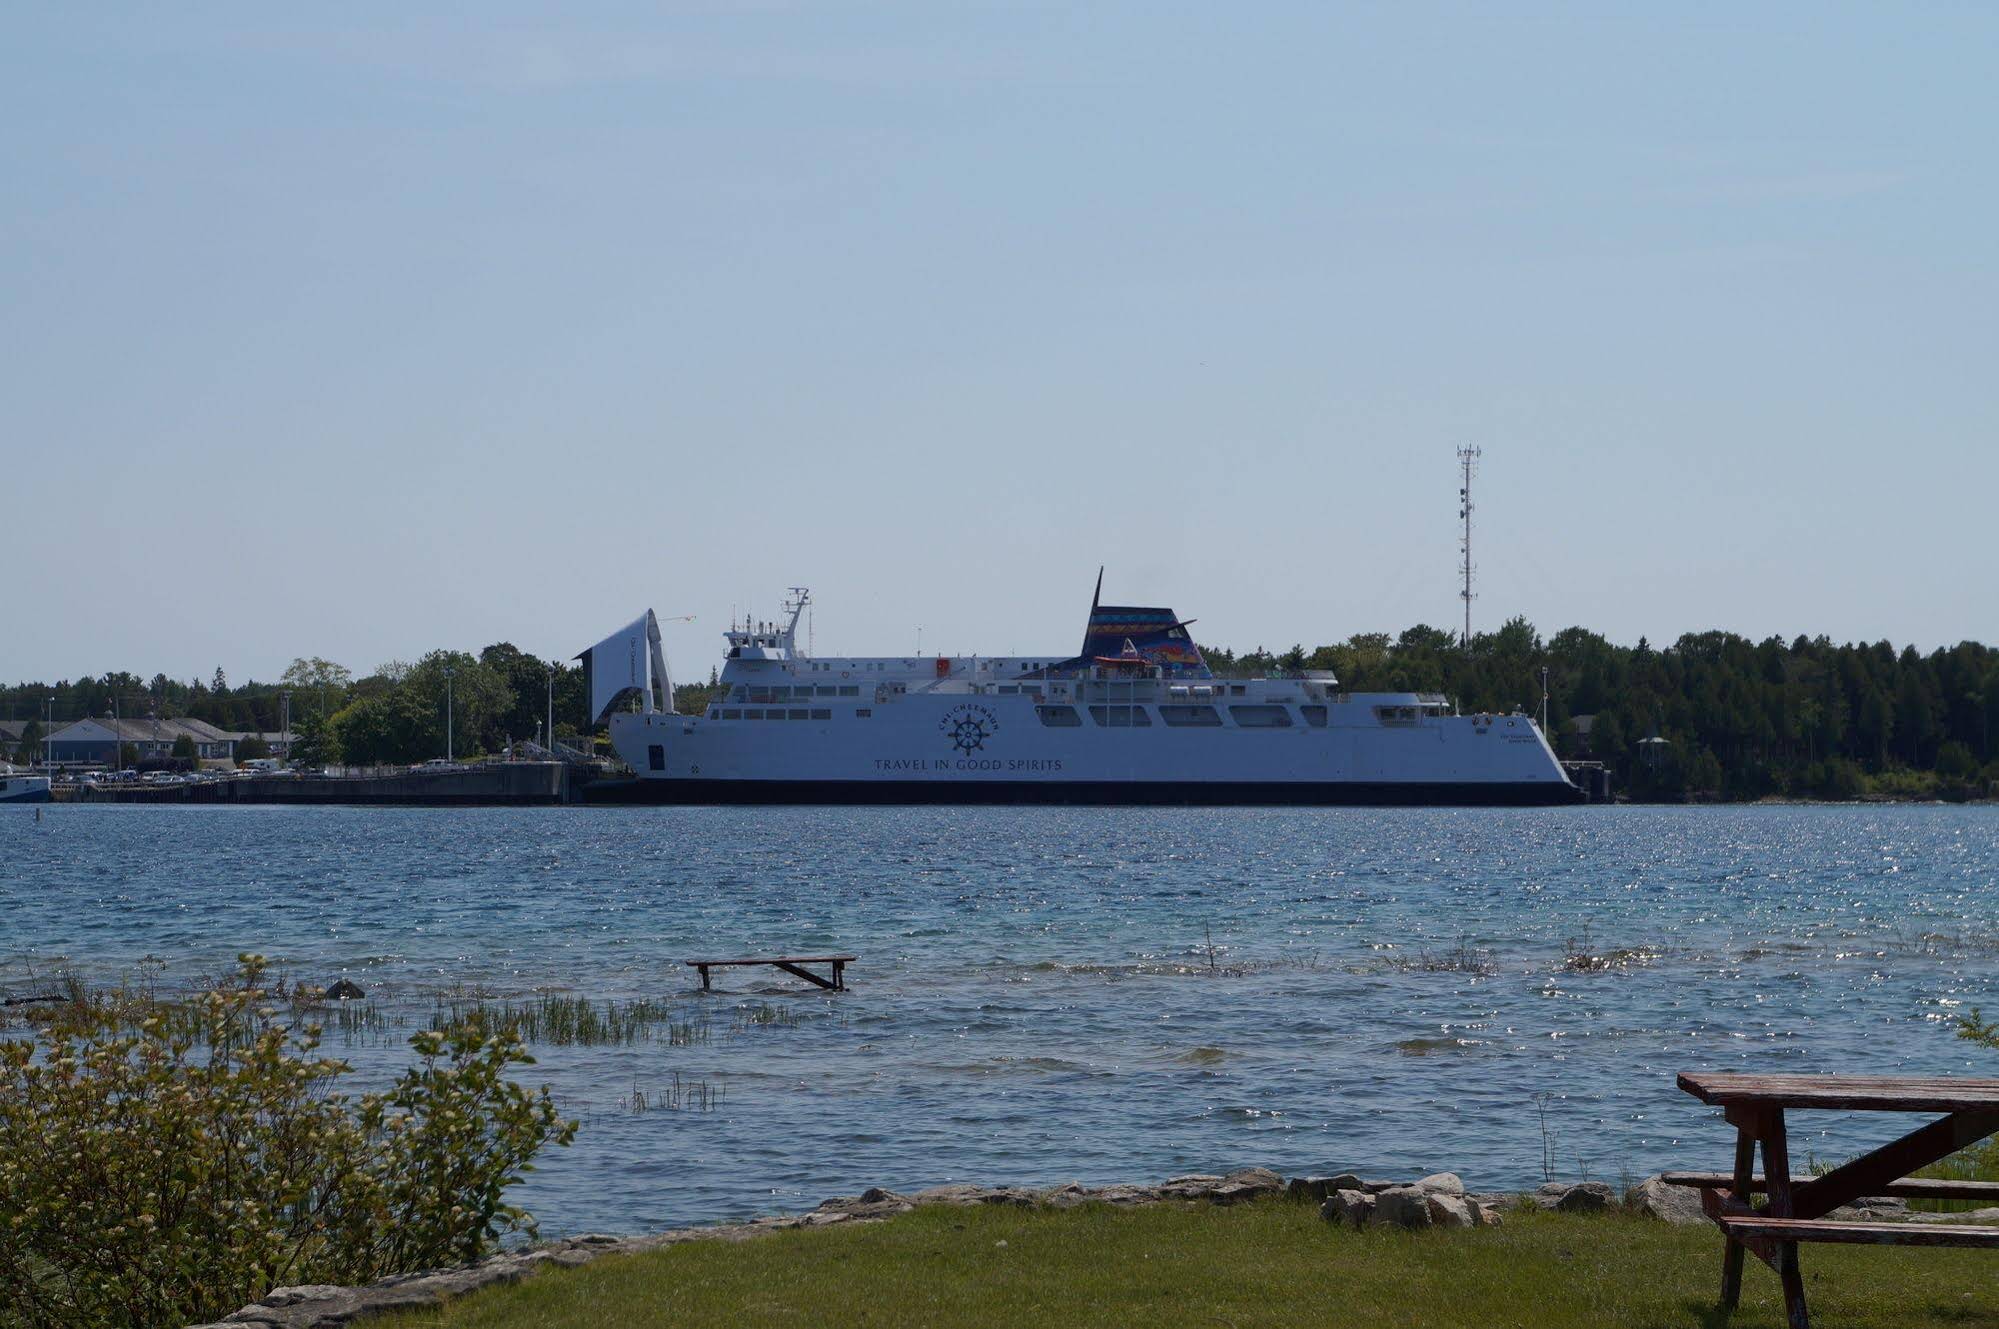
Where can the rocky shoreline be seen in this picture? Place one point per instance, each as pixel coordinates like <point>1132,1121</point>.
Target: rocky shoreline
<point>1438,1200</point>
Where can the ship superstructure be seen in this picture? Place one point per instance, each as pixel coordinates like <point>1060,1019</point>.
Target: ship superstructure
<point>1135,716</point>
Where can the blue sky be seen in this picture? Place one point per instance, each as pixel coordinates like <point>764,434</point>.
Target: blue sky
<point>360,331</point>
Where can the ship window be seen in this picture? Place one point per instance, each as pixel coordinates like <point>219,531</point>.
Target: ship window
<point>801,714</point>
<point>1395,715</point>
<point>828,692</point>
<point>1237,689</point>
<point>774,713</point>
<point>656,756</point>
<point>1196,716</point>
<point>1121,717</point>
<point>862,713</point>
<point>1260,717</point>
<point>1009,689</point>
<point>732,715</point>
<point>1315,716</point>
<point>749,715</point>
<point>850,690</point>
<point>1059,717</point>
<point>760,695</point>
<point>822,713</point>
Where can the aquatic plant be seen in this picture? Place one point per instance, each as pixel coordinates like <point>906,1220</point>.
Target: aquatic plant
<point>763,1013</point>
<point>1581,956</point>
<point>169,1172</point>
<point>1462,958</point>
<point>676,1096</point>
<point>563,1021</point>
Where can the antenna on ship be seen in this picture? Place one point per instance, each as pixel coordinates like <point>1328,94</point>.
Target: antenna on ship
<point>1468,466</point>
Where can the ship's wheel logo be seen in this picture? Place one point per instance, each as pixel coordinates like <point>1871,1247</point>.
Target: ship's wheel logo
<point>968,727</point>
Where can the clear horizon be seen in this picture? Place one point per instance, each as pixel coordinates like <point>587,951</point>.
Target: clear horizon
<point>360,335</point>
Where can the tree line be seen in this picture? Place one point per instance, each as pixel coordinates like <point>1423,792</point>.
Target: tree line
<point>1714,715</point>
<point>395,714</point>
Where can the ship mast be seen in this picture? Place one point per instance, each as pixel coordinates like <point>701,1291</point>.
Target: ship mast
<point>795,606</point>
<point>1468,466</point>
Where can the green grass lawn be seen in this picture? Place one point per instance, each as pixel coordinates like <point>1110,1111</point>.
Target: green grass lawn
<point>1274,1263</point>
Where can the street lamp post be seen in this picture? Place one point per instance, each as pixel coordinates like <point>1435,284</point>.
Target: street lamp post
<point>551,710</point>
<point>447,714</point>
<point>49,738</point>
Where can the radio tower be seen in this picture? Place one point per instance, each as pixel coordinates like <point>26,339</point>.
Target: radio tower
<point>1468,465</point>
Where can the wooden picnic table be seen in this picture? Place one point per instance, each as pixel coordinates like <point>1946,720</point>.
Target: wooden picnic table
<point>1755,1106</point>
<point>790,964</point>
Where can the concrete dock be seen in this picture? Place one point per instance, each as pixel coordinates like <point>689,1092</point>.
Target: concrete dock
<point>500,784</point>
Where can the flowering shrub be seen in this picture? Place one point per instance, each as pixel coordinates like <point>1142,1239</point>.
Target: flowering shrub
<point>167,1162</point>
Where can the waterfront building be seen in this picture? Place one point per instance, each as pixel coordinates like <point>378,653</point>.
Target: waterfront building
<point>96,741</point>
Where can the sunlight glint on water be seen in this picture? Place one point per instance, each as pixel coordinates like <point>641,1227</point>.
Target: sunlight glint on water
<point>1046,995</point>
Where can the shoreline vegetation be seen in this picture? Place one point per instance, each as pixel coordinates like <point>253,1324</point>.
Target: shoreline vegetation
<point>164,1158</point>
<point>169,1158</point>
<point>1712,717</point>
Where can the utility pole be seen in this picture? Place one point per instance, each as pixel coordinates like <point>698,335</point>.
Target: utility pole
<point>550,736</point>
<point>447,713</point>
<point>49,738</point>
<point>1468,466</point>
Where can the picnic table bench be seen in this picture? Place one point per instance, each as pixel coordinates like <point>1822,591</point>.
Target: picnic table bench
<point>791,964</point>
<point>1755,1106</point>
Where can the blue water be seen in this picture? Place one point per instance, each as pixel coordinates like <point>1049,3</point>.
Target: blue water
<point>1046,995</point>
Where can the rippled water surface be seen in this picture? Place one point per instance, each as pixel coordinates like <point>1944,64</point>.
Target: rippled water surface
<point>1046,995</point>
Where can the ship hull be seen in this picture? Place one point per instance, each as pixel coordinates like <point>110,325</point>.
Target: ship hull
<point>1090,793</point>
<point>25,789</point>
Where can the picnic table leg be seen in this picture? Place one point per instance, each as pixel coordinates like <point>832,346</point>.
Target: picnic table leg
<point>839,975</point>
<point>1745,1176</point>
<point>704,977</point>
<point>1777,1174</point>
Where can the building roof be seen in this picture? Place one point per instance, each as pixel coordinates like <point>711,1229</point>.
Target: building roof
<point>145,730</point>
<point>13,730</point>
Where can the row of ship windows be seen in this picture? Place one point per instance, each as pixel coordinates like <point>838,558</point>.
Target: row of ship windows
<point>763,696</point>
<point>1174,716</point>
<point>1181,716</point>
<point>1067,717</point>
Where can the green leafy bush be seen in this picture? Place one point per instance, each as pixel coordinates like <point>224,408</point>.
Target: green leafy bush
<point>167,1162</point>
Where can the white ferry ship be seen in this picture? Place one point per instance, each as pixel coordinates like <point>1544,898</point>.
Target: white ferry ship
<point>1135,716</point>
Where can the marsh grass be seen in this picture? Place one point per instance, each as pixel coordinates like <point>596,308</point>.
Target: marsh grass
<point>676,1095</point>
<point>1581,955</point>
<point>564,1021</point>
<point>1978,1163</point>
<point>1270,1264</point>
<point>763,1015</point>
